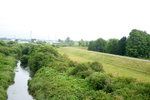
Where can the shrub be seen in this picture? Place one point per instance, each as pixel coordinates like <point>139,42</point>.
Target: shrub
<point>84,74</point>
<point>72,63</point>
<point>5,50</point>
<point>2,43</point>
<point>2,93</point>
<point>98,80</point>
<point>125,80</point>
<point>7,63</point>
<point>79,68</point>
<point>144,89</point>
<point>48,49</point>
<point>24,60</point>
<point>49,84</point>
<point>39,59</point>
<point>62,69</point>
<point>97,67</point>
<point>121,82</point>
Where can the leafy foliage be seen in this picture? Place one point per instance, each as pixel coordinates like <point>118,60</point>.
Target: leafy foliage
<point>98,45</point>
<point>98,80</point>
<point>136,45</point>
<point>122,46</point>
<point>9,52</point>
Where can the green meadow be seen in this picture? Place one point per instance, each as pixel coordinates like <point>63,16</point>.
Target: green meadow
<point>117,66</point>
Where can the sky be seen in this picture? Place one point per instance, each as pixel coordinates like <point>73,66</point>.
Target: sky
<point>77,19</point>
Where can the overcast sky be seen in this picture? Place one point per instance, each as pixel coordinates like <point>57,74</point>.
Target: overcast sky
<point>86,19</point>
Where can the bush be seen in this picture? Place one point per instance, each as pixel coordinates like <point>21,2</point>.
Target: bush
<point>124,80</point>
<point>85,69</point>
<point>5,50</point>
<point>2,43</point>
<point>98,80</point>
<point>72,63</point>
<point>24,60</point>
<point>144,89</point>
<point>47,49</point>
<point>97,67</point>
<point>121,82</point>
<point>7,64</point>
<point>84,74</point>
<point>79,68</point>
<point>62,69</point>
<point>48,84</point>
<point>3,93</point>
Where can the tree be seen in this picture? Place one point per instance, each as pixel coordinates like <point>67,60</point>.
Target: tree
<point>100,45</point>
<point>112,46</point>
<point>59,40</point>
<point>148,46</point>
<point>138,44</point>
<point>92,46</point>
<point>67,40</point>
<point>82,43</point>
<point>122,46</point>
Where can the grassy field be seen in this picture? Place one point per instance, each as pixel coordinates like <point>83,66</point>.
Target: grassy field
<point>114,65</point>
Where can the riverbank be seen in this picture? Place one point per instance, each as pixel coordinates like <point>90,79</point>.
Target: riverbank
<point>19,90</point>
<point>9,53</point>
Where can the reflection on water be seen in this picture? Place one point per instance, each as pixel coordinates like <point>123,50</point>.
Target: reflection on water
<point>19,90</point>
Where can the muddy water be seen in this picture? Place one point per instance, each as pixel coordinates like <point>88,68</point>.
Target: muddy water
<point>19,90</point>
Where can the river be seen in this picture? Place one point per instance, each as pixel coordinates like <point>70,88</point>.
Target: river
<point>19,90</point>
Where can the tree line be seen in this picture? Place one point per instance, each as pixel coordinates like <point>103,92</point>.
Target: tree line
<point>69,42</point>
<point>137,44</point>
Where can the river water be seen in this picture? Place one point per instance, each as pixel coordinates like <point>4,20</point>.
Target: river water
<point>19,90</point>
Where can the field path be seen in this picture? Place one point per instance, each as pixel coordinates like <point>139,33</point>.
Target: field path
<point>121,56</point>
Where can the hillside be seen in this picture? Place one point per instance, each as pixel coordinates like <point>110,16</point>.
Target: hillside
<point>112,64</point>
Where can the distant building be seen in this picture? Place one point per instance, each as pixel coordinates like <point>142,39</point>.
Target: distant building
<point>33,40</point>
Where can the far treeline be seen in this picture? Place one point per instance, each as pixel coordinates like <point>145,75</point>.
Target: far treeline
<point>136,45</point>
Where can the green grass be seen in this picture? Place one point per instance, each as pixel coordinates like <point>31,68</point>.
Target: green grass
<point>115,65</point>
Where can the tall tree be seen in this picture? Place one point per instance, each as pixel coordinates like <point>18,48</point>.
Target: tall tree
<point>82,43</point>
<point>97,45</point>
<point>138,44</point>
<point>122,46</point>
<point>59,40</point>
<point>92,46</point>
<point>100,45</point>
<point>68,40</point>
<point>112,46</point>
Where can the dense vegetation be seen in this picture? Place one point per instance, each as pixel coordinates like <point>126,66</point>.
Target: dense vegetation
<point>9,53</point>
<point>136,45</point>
<point>55,77</point>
